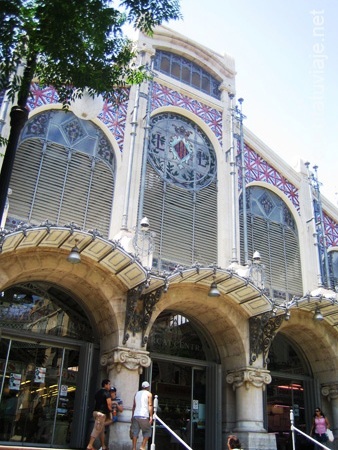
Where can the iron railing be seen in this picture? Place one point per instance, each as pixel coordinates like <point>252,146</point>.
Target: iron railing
<point>293,429</point>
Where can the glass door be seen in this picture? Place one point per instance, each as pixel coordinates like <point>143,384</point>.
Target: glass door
<point>197,418</point>
<point>38,388</point>
<point>181,394</point>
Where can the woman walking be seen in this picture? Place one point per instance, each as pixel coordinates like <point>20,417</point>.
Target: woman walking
<point>319,426</point>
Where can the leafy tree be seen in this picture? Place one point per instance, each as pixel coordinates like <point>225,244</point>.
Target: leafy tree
<point>70,45</point>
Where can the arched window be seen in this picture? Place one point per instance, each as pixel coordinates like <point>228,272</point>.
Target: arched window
<point>47,346</point>
<point>187,72</point>
<point>271,230</point>
<point>173,334</point>
<point>63,172</point>
<point>180,197</point>
<point>43,308</point>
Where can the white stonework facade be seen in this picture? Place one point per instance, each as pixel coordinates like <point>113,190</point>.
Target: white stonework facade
<point>137,306</point>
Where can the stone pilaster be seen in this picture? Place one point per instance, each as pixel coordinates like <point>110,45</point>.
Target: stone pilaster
<point>249,384</point>
<point>331,392</point>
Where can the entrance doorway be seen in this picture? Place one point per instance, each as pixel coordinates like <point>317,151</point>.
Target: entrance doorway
<point>292,387</point>
<point>181,391</point>
<point>38,392</point>
<point>186,380</point>
<point>47,353</point>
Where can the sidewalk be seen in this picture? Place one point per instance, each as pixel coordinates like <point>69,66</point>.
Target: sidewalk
<point>23,447</point>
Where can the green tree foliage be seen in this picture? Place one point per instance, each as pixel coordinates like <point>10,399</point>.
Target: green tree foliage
<point>73,44</point>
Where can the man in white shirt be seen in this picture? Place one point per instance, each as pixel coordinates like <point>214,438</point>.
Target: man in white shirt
<point>142,415</point>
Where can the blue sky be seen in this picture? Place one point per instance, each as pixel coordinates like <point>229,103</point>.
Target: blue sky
<point>286,56</point>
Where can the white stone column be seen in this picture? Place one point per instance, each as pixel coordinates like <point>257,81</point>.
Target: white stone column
<point>249,384</point>
<point>124,367</point>
<point>331,392</point>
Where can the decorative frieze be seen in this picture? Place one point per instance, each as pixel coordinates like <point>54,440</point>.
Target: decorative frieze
<point>249,377</point>
<point>127,358</point>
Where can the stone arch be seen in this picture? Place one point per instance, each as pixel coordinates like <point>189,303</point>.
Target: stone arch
<point>84,284</point>
<point>318,342</point>
<point>221,66</point>
<point>39,254</point>
<point>221,319</point>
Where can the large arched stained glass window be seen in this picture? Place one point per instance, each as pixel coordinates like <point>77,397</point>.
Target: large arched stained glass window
<point>271,230</point>
<point>63,172</point>
<point>180,196</point>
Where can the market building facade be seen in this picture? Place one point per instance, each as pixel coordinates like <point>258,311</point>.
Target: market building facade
<point>160,239</point>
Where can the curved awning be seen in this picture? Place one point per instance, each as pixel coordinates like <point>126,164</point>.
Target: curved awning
<point>129,270</point>
<point>240,289</point>
<point>91,245</point>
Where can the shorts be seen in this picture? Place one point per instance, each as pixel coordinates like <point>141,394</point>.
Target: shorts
<point>100,420</point>
<point>140,423</point>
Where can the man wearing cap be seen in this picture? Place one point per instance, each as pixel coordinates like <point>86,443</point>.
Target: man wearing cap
<point>142,415</point>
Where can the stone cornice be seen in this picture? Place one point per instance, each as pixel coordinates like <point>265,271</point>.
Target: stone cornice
<point>249,377</point>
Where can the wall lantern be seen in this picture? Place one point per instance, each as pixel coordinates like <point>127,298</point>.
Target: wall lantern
<point>318,315</point>
<point>74,255</point>
<point>214,292</point>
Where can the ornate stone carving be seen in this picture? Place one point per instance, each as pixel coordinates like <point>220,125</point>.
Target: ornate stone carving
<point>262,330</point>
<point>249,377</point>
<point>139,310</point>
<point>122,357</point>
<point>330,391</point>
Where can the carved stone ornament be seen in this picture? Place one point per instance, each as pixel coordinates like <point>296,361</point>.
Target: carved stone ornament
<point>130,359</point>
<point>139,311</point>
<point>249,377</point>
<point>330,391</point>
<point>263,329</point>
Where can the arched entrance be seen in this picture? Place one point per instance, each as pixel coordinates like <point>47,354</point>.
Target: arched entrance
<point>292,386</point>
<point>47,349</point>
<point>70,317</point>
<point>186,379</point>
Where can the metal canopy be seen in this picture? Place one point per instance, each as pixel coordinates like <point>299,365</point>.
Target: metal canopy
<point>108,254</point>
<point>130,272</point>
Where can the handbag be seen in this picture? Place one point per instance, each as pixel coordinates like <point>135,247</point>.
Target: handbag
<point>329,435</point>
